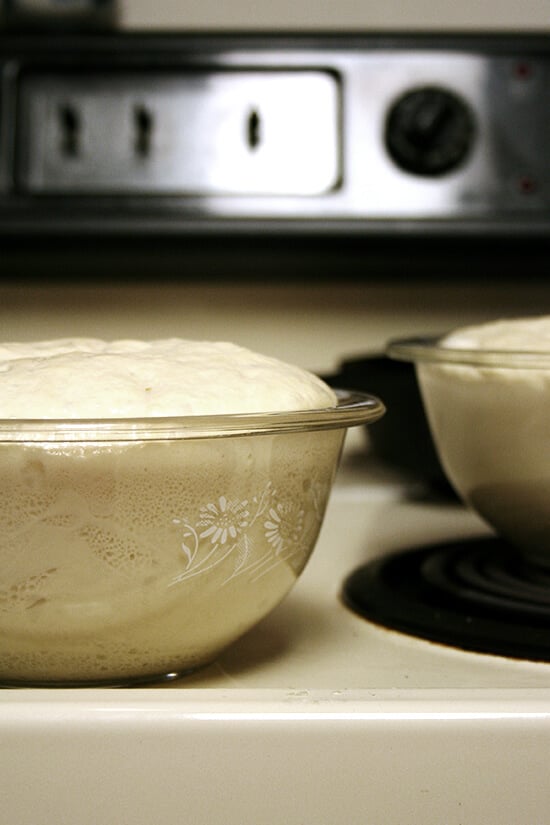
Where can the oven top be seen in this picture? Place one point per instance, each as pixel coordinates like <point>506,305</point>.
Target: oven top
<point>315,715</point>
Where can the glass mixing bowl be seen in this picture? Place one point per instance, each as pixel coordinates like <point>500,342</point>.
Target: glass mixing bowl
<point>135,550</point>
<point>489,416</point>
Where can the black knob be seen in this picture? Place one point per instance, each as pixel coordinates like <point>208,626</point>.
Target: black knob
<point>429,131</point>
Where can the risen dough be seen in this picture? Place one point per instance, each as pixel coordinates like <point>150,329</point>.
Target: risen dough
<point>523,334</point>
<point>89,378</point>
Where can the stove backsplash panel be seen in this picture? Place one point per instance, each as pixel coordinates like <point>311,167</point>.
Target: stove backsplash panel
<point>379,135</point>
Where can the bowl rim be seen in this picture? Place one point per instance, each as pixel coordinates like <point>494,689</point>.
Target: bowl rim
<point>429,349</point>
<point>352,409</point>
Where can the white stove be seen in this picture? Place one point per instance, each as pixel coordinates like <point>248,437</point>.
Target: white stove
<point>316,715</point>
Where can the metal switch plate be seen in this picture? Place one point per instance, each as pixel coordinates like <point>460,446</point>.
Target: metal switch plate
<point>366,135</point>
<point>205,133</point>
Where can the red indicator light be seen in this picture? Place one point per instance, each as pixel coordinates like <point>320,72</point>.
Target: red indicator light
<point>526,185</point>
<point>523,70</point>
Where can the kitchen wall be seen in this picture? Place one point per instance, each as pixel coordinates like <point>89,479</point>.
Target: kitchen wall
<point>313,325</point>
<point>337,14</point>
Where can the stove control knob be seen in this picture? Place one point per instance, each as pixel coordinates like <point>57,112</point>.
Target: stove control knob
<point>429,131</point>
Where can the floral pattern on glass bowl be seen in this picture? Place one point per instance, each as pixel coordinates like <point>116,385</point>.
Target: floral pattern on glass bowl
<point>256,534</point>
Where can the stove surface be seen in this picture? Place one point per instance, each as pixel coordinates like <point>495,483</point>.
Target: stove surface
<point>312,641</point>
<point>316,715</point>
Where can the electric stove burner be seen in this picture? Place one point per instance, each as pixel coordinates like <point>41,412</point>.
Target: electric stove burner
<point>478,594</point>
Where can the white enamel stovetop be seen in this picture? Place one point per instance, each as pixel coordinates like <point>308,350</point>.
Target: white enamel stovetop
<point>314,718</point>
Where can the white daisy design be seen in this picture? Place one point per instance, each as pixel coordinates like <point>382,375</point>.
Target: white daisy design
<point>224,520</point>
<point>284,525</point>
